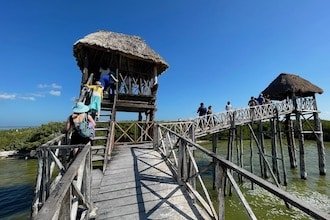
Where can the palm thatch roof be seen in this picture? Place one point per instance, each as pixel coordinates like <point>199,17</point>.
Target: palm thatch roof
<point>101,46</point>
<point>286,84</point>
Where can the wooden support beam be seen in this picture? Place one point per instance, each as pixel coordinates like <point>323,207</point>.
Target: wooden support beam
<point>241,196</point>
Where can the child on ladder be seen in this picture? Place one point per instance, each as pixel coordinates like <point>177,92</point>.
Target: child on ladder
<point>96,99</point>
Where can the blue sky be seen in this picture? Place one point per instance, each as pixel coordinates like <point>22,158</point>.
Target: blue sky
<point>217,50</point>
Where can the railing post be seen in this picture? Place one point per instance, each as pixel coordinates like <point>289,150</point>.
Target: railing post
<point>88,179</point>
<point>156,141</point>
<point>180,162</point>
<point>220,186</point>
<point>214,150</point>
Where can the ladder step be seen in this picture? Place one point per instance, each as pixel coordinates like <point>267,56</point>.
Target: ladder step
<point>98,147</point>
<point>105,109</point>
<point>101,129</point>
<point>97,158</point>
<point>103,121</point>
<point>101,138</point>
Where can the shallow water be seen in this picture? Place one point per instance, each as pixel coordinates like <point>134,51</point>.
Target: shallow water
<point>315,190</point>
<point>17,178</point>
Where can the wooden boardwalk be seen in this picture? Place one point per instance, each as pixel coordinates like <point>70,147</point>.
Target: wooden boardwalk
<point>138,184</point>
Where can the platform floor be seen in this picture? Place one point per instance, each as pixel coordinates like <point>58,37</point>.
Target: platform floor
<point>138,184</point>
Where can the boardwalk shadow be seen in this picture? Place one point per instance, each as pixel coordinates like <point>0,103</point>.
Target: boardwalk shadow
<point>157,191</point>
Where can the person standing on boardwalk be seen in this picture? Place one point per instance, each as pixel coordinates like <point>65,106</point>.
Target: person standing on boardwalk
<point>201,110</point>
<point>252,103</point>
<point>261,99</point>
<point>80,113</point>
<point>228,109</point>
<point>96,99</point>
<point>228,106</point>
<point>209,110</point>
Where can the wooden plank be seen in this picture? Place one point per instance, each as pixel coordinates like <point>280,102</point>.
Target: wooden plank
<point>138,183</point>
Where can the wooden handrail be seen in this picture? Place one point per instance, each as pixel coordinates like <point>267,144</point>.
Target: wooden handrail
<point>52,155</point>
<point>76,183</point>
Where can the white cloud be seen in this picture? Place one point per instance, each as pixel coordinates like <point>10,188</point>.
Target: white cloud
<point>38,95</point>
<point>7,96</point>
<point>55,86</point>
<point>42,86</point>
<point>55,93</point>
<point>29,98</point>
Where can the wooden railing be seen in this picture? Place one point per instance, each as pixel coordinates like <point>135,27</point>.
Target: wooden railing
<point>179,151</point>
<point>133,132</point>
<point>224,120</point>
<point>216,122</point>
<point>58,197</point>
<point>135,84</point>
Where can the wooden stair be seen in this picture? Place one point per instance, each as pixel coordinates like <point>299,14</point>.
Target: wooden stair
<point>101,137</point>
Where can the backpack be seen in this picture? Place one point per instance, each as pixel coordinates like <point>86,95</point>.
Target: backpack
<point>84,130</point>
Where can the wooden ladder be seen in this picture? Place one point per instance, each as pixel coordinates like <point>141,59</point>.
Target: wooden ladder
<point>101,138</point>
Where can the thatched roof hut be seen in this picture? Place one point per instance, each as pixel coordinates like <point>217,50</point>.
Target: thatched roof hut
<point>109,49</point>
<point>285,85</point>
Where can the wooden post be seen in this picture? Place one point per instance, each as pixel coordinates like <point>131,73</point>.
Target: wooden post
<point>220,186</point>
<point>303,174</point>
<point>184,163</point>
<point>214,150</point>
<point>263,166</point>
<point>251,158</point>
<point>156,141</point>
<point>319,140</point>
<point>47,173</point>
<point>274,149</point>
<point>290,141</point>
<point>230,151</point>
<point>180,162</point>
<point>154,88</point>
<point>88,178</point>
<point>281,149</point>
<point>241,145</point>
<point>84,77</point>
<point>192,170</point>
<point>139,134</point>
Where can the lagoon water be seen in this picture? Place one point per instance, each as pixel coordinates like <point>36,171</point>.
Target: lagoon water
<point>17,179</point>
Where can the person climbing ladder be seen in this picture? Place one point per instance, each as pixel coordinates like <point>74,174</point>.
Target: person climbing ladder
<point>96,99</point>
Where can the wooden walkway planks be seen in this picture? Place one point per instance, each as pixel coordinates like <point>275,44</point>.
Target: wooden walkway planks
<point>138,184</point>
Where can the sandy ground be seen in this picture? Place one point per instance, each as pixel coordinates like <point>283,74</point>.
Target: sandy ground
<point>5,154</point>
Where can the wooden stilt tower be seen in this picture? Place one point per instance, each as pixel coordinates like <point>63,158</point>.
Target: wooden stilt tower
<point>133,64</point>
<point>304,120</point>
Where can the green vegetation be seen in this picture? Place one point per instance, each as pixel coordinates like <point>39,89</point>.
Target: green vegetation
<point>26,139</point>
